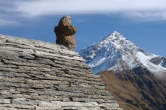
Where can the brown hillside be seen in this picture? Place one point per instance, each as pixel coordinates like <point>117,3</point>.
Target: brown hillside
<point>136,90</point>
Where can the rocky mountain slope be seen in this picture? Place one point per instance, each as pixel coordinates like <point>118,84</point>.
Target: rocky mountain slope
<point>137,89</point>
<point>117,53</point>
<point>36,75</point>
<point>135,77</point>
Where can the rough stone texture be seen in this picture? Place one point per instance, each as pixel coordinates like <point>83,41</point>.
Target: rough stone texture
<point>36,75</point>
<point>65,33</point>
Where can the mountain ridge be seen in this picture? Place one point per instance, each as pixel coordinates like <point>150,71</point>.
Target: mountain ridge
<point>115,50</point>
<point>135,77</point>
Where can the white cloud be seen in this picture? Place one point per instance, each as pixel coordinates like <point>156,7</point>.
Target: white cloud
<point>144,9</point>
<point>147,9</point>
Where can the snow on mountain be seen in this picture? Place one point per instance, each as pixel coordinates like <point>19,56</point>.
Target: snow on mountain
<point>117,53</point>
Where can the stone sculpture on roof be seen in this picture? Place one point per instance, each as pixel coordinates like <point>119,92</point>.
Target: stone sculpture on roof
<point>65,33</point>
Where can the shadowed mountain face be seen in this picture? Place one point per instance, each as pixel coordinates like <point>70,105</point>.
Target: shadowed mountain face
<point>136,90</point>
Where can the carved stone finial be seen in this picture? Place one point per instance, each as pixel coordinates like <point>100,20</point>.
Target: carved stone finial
<point>65,33</point>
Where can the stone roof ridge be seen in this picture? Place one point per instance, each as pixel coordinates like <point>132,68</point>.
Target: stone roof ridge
<point>40,45</point>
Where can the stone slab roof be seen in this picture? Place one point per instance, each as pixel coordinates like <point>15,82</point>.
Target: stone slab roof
<point>36,75</point>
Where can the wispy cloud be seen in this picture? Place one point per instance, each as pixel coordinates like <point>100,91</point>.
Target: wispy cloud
<point>8,13</point>
<point>4,22</point>
<point>44,7</point>
<point>137,9</point>
<point>7,19</point>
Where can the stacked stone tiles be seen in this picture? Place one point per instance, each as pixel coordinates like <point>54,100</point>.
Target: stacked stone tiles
<point>36,75</point>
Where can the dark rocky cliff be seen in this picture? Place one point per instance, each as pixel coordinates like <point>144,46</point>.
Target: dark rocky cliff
<point>36,75</point>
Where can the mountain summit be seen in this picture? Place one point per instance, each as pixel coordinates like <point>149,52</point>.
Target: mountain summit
<point>133,80</point>
<point>117,53</point>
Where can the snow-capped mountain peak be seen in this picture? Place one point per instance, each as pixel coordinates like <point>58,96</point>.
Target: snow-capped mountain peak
<point>120,42</point>
<point>117,53</point>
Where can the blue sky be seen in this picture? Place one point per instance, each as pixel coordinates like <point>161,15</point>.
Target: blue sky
<point>142,22</point>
